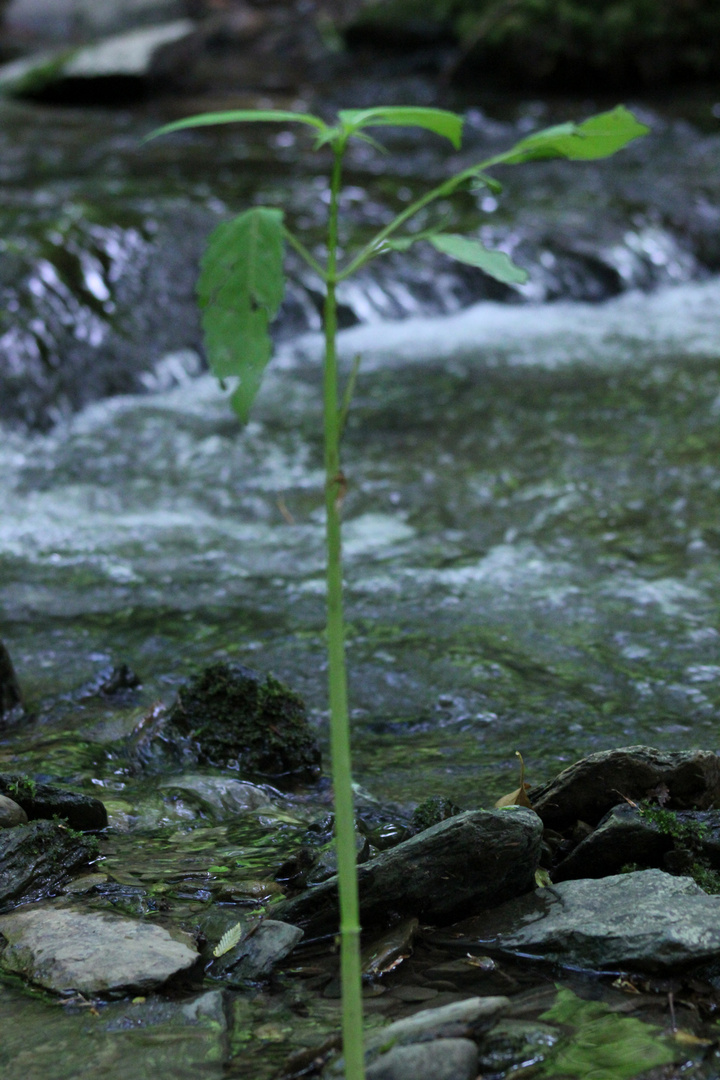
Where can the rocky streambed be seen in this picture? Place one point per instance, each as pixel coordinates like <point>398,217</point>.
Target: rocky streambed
<point>491,937</point>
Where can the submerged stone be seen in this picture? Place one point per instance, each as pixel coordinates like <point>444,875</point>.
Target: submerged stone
<point>47,801</point>
<point>587,790</point>
<point>36,860</point>
<point>64,948</point>
<point>217,796</point>
<point>446,1059</point>
<point>465,864</point>
<point>646,920</point>
<point>237,720</point>
<point>460,1021</point>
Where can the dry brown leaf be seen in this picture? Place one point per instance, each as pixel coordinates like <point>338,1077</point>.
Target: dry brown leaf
<point>517,797</point>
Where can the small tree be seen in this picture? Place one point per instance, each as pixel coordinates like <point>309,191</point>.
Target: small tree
<point>240,289</point>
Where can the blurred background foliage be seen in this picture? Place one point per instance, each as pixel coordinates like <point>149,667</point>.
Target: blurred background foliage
<point>558,42</point>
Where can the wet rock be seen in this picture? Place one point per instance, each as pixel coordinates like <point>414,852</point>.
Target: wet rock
<point>472,861</point>
<point>47,801</point>
<point>647,921</point>
<point>262,946</point>
<point>457,1022</point>
<point>11,814</point>
<point>143,55</point>
<point>587,790</point>
<point>238,720</point>
<point>37,859</point>
<point>63,948</point>
<point>388,951</point>
<point>680,841</point>
<point>11,705</point>
<point>217,796</point>
<point>623,836</point>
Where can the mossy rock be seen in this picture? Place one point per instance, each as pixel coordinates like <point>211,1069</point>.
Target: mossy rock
<point>239,721</point>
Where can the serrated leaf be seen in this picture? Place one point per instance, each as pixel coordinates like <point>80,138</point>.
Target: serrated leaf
<point>239,290</point>
<point>598,137</point>
<point>495,263</point>
<point>229,940</point>
<point>235,116</point>
<point>440,121</point>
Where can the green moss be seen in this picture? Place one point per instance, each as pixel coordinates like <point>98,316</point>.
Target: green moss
<point>687,836</point>
<point>238,720</point>
<point>432,811</point>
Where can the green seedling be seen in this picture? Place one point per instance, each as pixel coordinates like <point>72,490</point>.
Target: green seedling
<point>240,290</point>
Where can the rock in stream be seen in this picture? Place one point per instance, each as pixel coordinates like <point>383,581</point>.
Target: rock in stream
<point>471,861</point>
<point>65,948</point>
<point>646,920</point>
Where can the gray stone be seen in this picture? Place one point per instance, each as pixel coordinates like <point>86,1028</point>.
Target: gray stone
<point>145,53</point>
<point>647,920</point>
<point>37,859</point>
<point>262,947</point>
<point>11,814</point>
<point>587,790</point>
<point>465,864</point>
<point>64,948</point>
<point>446,1059</point>
<point>219,796</point>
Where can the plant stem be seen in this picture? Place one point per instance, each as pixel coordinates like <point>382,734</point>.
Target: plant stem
<point>352,1020</point>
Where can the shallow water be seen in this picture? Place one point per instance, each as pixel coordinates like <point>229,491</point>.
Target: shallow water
<point>531,537</point>
<point>531,527</point>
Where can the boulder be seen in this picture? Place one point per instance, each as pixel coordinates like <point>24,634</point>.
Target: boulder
<point>238,720</point>
<point>646,921</point>
<point>464,864</point>
<point>37,859</point>
<point>587,790</point>
<point>47,801</point>
<point>64,948</point>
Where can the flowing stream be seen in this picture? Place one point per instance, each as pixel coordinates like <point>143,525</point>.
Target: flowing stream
<point>532,524</point>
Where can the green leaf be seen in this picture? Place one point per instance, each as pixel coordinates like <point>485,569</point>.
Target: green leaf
<point>495,263</point>
<point>440,121</point>
<point>240,289</point>
<point>598,137</point>
<point>271,116</point>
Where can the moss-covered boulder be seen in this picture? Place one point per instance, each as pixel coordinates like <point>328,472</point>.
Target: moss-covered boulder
<point>239,720</point>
